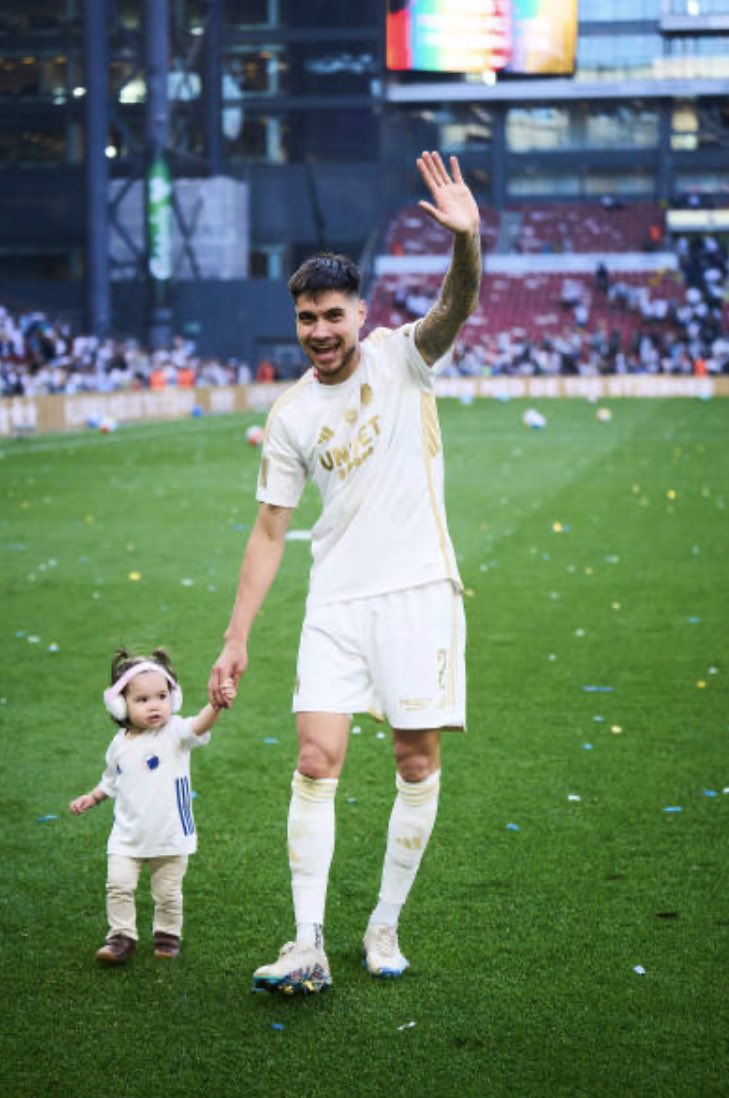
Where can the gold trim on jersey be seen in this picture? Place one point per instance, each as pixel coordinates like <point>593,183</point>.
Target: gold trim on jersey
<point>280,402</point>
<point>432,446</point>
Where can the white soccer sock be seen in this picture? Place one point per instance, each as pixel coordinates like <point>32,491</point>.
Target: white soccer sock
<point>411,824</point>
<point>311,846</point>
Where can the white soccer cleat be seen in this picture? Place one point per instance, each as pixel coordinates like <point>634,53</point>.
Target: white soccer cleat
<point>300,968</point>
<point>382,956</point>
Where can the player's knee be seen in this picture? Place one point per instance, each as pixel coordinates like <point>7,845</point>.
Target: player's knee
<point>416,765</point>
<point>316,762</point>
<point>415,768</point>
<point>417,755</point>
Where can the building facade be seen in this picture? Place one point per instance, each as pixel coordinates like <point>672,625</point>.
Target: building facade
<point>292,99</point>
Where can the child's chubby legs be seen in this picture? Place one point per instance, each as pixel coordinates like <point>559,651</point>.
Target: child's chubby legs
<point>166,876</point>
<point>122,879</point>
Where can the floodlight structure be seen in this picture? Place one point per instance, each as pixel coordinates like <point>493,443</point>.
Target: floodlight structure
<point>153,159</point>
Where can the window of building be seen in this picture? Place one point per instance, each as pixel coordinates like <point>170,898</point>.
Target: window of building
<point>454,129</point>
<point>696,7</point>
<point>712,186</point>
<point>581,125</point>
<point>619,11</point>
<point>253,72</point>
<point>537,182</point>
<point>332,68</point>
<point>700,124</point>
<point>39,16</point>
<point>617,56</point>
<point>251,13</point>
<point>259,137</point>
<point>689,57</point>
<point>38,137</point>
<point>336,135</point>
<point>331,13</point>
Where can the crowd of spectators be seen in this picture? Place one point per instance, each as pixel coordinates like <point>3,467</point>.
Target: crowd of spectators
<point>638,329</point>
<point>40,356</point>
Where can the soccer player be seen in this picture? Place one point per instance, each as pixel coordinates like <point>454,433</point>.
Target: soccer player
<point>384,629</point>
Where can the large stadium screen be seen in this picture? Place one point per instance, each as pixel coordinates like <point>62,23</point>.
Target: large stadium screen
<point>519,37</point>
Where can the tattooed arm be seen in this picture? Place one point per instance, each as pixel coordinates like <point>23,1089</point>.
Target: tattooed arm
<point>455,208</point>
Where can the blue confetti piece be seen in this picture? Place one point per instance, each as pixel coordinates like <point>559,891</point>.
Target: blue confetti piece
<point>693,620</point>
<point>46,819</point>
<point>673,808</point>
<point>513,827</point>
<point>710,793</point>
<point>598,719</point>
<point>587,747</point>
<point>270,739</point>
<point>278,1026</point>
<point>598,689</point>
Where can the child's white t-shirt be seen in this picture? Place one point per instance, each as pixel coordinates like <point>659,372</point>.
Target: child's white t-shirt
<point>148,775</point>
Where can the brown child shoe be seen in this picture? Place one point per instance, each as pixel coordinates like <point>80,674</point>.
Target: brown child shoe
<point>116,950</point>
<point>166,945</point>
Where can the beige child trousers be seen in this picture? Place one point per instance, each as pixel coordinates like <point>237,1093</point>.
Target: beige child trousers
<point>166,875</point>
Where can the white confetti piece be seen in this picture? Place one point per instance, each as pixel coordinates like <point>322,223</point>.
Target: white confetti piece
<point>639,969</point>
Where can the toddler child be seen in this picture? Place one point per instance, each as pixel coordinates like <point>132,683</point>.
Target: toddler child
<point>148,774</point>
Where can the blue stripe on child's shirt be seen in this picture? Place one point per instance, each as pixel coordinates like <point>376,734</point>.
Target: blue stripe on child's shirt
<point>184,806</point>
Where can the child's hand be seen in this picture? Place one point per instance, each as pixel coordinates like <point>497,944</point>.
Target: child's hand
<point>229,692</point>
<point>83,804</point>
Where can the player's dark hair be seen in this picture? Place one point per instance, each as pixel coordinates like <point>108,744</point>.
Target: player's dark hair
<point>123,659</point>
<point>326,271</point>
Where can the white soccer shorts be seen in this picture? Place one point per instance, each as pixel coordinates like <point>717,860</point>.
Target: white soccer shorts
<point>401,655</point>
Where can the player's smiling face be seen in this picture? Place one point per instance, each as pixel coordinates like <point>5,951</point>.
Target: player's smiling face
<point>328,327</point>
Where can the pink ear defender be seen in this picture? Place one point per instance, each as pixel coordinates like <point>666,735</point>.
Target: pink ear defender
<point>114,700</point>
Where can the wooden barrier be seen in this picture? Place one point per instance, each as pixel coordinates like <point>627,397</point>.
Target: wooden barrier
<point>28,415</point>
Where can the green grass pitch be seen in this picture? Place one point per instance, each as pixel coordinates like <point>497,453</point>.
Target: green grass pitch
<point>568,934</point>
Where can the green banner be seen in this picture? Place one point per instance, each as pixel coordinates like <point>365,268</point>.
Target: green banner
<point>159,220</point>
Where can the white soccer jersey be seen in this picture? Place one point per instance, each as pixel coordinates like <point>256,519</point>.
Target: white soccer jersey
<point>148,775</point>
<point>372,445</point>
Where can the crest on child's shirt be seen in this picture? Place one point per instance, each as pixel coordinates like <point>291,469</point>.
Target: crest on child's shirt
<point>152,761</point>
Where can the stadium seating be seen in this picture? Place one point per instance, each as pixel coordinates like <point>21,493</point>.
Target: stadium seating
<point>412,232</point>
<point>589,227</point>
